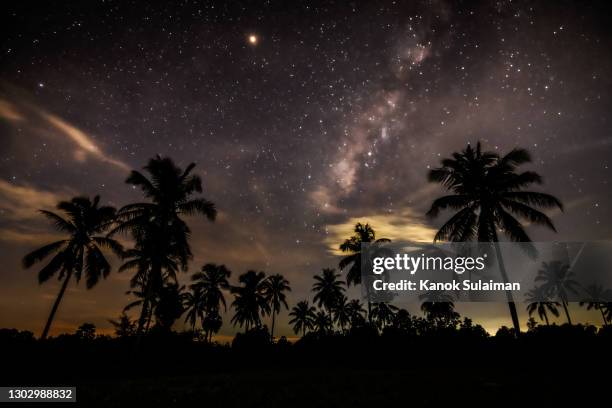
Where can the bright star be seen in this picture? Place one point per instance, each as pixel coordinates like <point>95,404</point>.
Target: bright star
<point>253,39</point>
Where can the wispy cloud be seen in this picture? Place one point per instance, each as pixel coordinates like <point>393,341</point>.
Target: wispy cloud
<point>83,141</point>
<point>17,109</point>
<point>22,202</point>
<point>402,225</point>
<point>21,221</point>
<point>8,111</point>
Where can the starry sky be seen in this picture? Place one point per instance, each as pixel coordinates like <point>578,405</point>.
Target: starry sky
<point>303,118</point>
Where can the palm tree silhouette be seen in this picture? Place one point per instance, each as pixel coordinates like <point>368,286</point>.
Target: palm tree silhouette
<point>124,326</point>
<point>342,312</point>
<point>557,281</point>
<point>363,234</point>
<point>356,313</point>
<point>537,300</point>
<point>302,317</point>
<point>437,306</point>
<point>81,251</point>
<point>274,288</point>
<point>140,259</point>
<point>157,226</point>
<point>194,308</point>
<point>328,289</point>
<point>249,302</point>
<point>488,193</point>
<point>383,314</point>
<point>322,322</point>
<point>211,281</point>
<point>597,298</point>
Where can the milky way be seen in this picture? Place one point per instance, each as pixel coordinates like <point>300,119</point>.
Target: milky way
<point>303,118</point>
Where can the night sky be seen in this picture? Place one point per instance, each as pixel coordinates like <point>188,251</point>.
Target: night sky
<point>303,118</point>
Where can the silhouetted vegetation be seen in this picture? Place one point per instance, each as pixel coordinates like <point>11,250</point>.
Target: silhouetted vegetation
<point>487,193</point>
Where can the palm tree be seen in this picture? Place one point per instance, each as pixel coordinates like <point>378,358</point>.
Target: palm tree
<point>438,306</point>
<point>598,297</point>
<point>212,280</point>
<point>274,288</point>
<point>249,302</point>
<point>81,251</point>
<point>537,300</point>
<point>557,281</point>
<point>342,312</point>
<point>302,317</point>
<point>194,307</point>
<point>383,313</point>
<point>356,312</point>
<point>322,322</point>
<point>157,225</point>
<point>140,259</point>
<point>328,289</point>
<point>488,194</point>
<point>124,326</point>
<point>363,234</point>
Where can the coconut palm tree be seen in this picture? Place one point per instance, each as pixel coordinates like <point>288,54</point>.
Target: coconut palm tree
<point>356,313</point>
<point>80,252</point>
<point>537,300</point>
<point>597,299</point>
<point>558,282</point>
<point>383,314</point>
<point>322,322</point>
<point>139,259</point>
<point>124,326</point>
<point>328,289</point>
<point>249,302</point>
<point>274,288</point>
<point>157,226</point>
<point>212,281</point>
<point>342,312</point>
<point>363,234</point>
<point>488,194</point>
<point>302,317</point>
<point>438,306</point>
<point>194,307</point>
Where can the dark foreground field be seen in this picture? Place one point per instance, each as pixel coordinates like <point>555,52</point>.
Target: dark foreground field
<point>342,372</point>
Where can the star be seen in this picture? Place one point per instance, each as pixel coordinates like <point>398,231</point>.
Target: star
<point>253,40</point>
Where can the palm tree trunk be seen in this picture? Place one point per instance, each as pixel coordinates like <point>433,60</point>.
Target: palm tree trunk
<point>60,295</point>
<point>272,330</point>
<point>546,318</point>
<point>144,311</point>
<point>566,312</point>
<point>511,304</point>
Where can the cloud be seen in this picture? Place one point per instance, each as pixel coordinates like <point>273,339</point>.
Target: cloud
<point>403,225</point>
<point>27,237</point>
<point>20,203</point>
<point>21,221</point>
<point>17,109</point>
<point>8,111</point>
<point>84,142</point>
